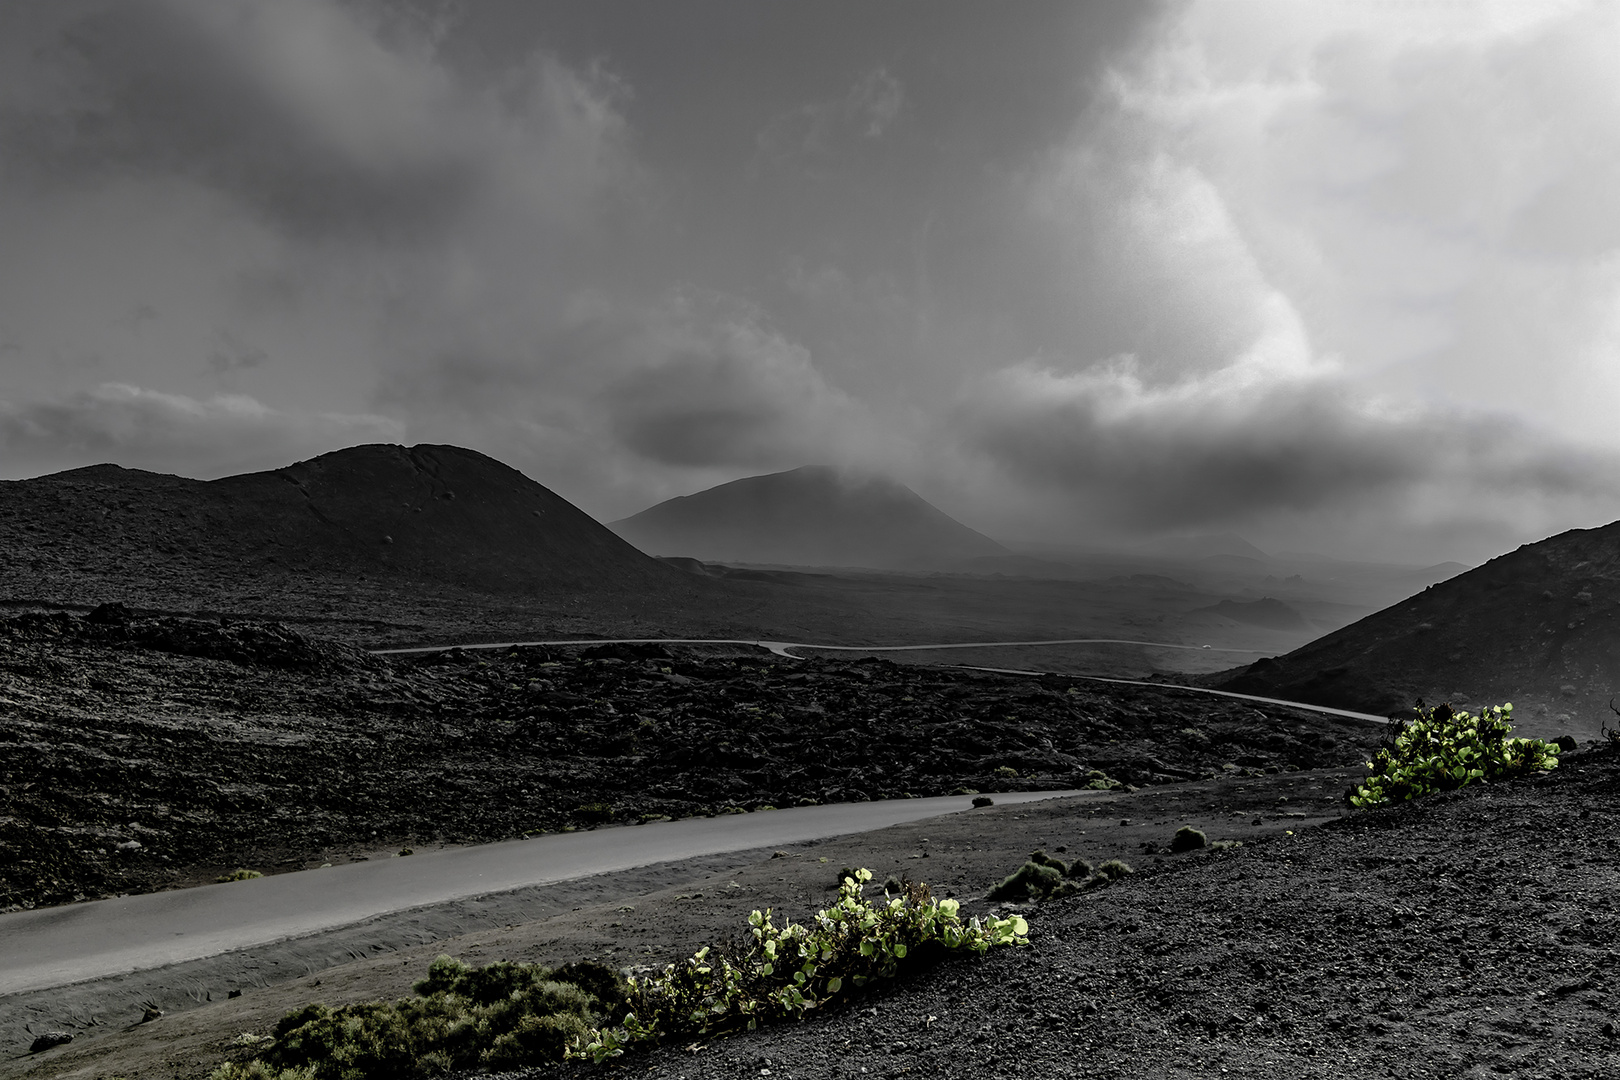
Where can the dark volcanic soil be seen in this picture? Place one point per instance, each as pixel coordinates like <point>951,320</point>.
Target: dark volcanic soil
<point>1467,935</point>
<point>141,754</point>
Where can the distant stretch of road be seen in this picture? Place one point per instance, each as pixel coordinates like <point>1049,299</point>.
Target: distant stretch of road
<point>785,648</point>
<point>57,946</point>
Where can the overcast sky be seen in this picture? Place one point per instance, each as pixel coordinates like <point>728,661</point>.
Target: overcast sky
<point>1338,277</point>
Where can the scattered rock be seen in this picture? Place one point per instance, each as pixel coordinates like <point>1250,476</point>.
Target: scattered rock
<point>48,1040</point>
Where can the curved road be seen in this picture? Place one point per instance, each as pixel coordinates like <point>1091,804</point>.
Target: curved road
<point>56,946</point>
<point>784,648</point>
<point>79,942</point>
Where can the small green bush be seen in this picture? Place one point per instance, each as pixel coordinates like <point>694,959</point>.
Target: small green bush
<point>238,875</point>
<point>1444,749</point>
<point>258,1070</point>
<point>786,972</point>
<point>1188,838</point>
<point>981,801</point>
<point>1032,881</point>
<point>1005,772</point>
<point>1043,877</point>
<point>503,1016</point>
<point>1041,858</point>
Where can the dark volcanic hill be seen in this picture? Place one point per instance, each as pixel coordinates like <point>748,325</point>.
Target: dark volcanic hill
<point>422,515</point>
<point>1536,627</point>
<point>808,517</point>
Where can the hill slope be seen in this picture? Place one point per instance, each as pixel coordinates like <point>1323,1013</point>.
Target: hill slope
<point>437,515</point>
<point>1536,627</point>
<point>808,517</point>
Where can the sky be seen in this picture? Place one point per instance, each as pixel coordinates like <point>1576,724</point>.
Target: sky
<point>1339,277</point>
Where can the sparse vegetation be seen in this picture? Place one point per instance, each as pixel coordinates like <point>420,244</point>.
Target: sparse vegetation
<point>1044,877</point>
<point>1188,838</point>
<point>502,1016</point>
<point>786,972</point>
<point>507,1016</point>
<point>237,875</point>
<point>1444,749</point>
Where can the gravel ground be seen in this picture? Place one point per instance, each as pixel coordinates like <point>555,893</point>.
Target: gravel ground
<point>1470,935</point>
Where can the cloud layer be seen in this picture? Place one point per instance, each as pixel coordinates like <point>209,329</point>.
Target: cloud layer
<point>1344,277</point>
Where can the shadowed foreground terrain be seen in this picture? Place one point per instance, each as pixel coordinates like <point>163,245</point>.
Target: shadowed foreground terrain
<point>1468,935</point>
<point>1471,935</point>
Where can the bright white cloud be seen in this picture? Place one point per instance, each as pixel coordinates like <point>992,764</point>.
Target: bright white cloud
<point>1361,259</point>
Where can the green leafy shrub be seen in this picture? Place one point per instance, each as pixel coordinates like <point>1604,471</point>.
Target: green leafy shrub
<point>1032,881</point>
<point>237,875</point>
<point>503,1016</point>
<point>1444,749</point>
<point>258,1070</point>
<point>785,972</point>
<point>1044,877</point>
<point>1005,772</point>
<point>1114,869</point>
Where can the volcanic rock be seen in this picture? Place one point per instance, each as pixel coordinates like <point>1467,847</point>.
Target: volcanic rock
<point>48,1040</point>
<point>1536,627</point>
<point>421,514</point>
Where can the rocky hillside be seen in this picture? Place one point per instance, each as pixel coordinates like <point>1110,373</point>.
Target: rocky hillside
<point>808,517</point>
<point>140,753</point>
<point>1536,627</point>
<point>423,514</point>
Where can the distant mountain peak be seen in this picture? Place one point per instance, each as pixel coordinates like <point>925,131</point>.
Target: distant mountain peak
<point>814,515</point>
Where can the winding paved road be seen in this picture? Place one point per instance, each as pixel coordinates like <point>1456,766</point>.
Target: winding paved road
<point>784,648</point>
<point>78,942</point>
<point>57,946</point>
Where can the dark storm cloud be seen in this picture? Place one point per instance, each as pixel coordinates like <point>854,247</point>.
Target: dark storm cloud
<point>1227,448</point>
<point>155,88</point>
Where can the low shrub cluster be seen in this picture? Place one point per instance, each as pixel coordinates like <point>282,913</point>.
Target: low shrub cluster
<point>501,1016</point>
<point>1444,749</point>
<point>1044,878</point>
<point>507,1016</point>
<point>785,972</point>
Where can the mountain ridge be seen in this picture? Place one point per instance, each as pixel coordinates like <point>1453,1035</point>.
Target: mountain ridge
<point>1536,626</point>
<point>428,513</point>
<point>809,516</point>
